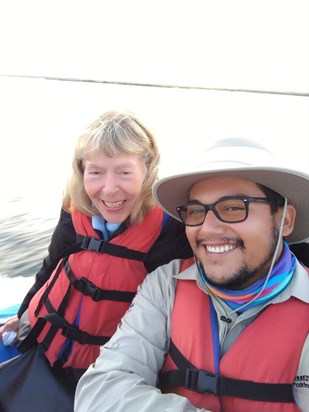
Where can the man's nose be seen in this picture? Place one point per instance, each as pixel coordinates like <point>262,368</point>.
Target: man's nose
<point>211,221</point>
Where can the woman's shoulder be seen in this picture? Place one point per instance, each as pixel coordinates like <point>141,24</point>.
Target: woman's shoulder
<point>301,251</point>
<point>171,244</point>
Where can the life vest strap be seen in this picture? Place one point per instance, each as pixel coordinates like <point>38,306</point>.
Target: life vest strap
<point>101,246</point>
<point>57,322</point>
<point>87,288</point>
<point>30,339</point>
<point>69,330</point>
<point>205,382</point>
<point>48,289</point>
<point>83,337</point>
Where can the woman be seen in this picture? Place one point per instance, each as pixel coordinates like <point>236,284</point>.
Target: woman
<point>109,236</point>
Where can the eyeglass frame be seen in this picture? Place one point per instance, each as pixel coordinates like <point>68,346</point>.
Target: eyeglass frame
<point>212,206</point>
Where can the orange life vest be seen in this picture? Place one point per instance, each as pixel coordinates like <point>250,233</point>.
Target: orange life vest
<point>80,306</point>
<point>267,352</point>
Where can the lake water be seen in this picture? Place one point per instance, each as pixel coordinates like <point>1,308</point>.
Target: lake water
<point>40,121</point>
<point>24,238</point>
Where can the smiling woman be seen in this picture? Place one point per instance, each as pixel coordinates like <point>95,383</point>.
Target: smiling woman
<point>114,168</point>
<point>110,235</point>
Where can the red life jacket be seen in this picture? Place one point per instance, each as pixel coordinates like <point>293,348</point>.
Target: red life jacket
<point>80,306</point>
<point>267,352</point>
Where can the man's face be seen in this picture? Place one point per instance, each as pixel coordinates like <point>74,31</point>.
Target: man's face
<point>234,255</point>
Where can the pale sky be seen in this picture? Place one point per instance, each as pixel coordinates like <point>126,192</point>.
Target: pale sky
<point>238,44</point>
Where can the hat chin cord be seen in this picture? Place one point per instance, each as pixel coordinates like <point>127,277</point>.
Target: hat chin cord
<point>227,318</point>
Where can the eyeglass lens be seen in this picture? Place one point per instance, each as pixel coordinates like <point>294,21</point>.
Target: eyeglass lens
<point>228,210</point>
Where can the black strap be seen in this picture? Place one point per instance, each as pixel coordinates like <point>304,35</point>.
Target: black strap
<point>30,339</point>
<point>50,335</point>
<point>101,246</point>
<point>97,294</point>
<point>76,334</point>
<point>205,382</point>
<point>48,289</point>
<point>58,322</point>
<point>180,361</point>
<point>35,331</point>
<point>68,330</point>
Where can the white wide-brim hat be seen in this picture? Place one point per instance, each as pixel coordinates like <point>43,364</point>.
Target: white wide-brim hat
<point>246,160</point>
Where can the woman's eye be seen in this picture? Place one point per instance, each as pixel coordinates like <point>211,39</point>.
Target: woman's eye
<point>93,172</point>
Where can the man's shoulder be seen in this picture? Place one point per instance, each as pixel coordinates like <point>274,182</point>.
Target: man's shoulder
<point>170,272</point>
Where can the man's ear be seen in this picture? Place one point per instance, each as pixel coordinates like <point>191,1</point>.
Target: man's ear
<point>289,220</point>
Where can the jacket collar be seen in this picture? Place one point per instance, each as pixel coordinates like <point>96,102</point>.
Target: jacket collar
<point>298,287</point>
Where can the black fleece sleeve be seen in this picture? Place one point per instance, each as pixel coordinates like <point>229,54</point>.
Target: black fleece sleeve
<point>171,244</point>
<point>301,251</point>
<point>62,238</point>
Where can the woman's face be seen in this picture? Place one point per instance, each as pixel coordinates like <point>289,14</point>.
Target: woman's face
<point>114,183</point>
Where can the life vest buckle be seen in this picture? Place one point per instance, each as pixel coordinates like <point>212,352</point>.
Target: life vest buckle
<point>75,334</point>
<point>202,381</point>
<point>88,288</point>
<point>92,244</point>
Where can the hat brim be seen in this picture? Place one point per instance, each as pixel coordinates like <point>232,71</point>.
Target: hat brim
<point>173,191</point>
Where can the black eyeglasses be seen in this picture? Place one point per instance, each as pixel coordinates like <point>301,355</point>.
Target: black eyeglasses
<point>233,209</point>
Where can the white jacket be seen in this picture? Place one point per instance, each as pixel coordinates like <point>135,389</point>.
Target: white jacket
<point>124,376</point>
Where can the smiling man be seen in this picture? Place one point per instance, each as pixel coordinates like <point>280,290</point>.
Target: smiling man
<point>229,328</point>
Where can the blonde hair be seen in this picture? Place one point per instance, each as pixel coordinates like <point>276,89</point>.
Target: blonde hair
<point>114,133</point>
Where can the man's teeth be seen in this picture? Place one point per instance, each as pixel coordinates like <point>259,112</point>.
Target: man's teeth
<point>219,249</point>
<point>113,204</point>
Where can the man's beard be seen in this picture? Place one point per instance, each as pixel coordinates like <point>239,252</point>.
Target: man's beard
<point>243,275</point>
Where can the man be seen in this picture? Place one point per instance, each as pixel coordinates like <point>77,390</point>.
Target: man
<point>227,331</point>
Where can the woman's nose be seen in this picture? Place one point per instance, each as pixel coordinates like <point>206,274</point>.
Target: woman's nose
<point>110,184</point>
